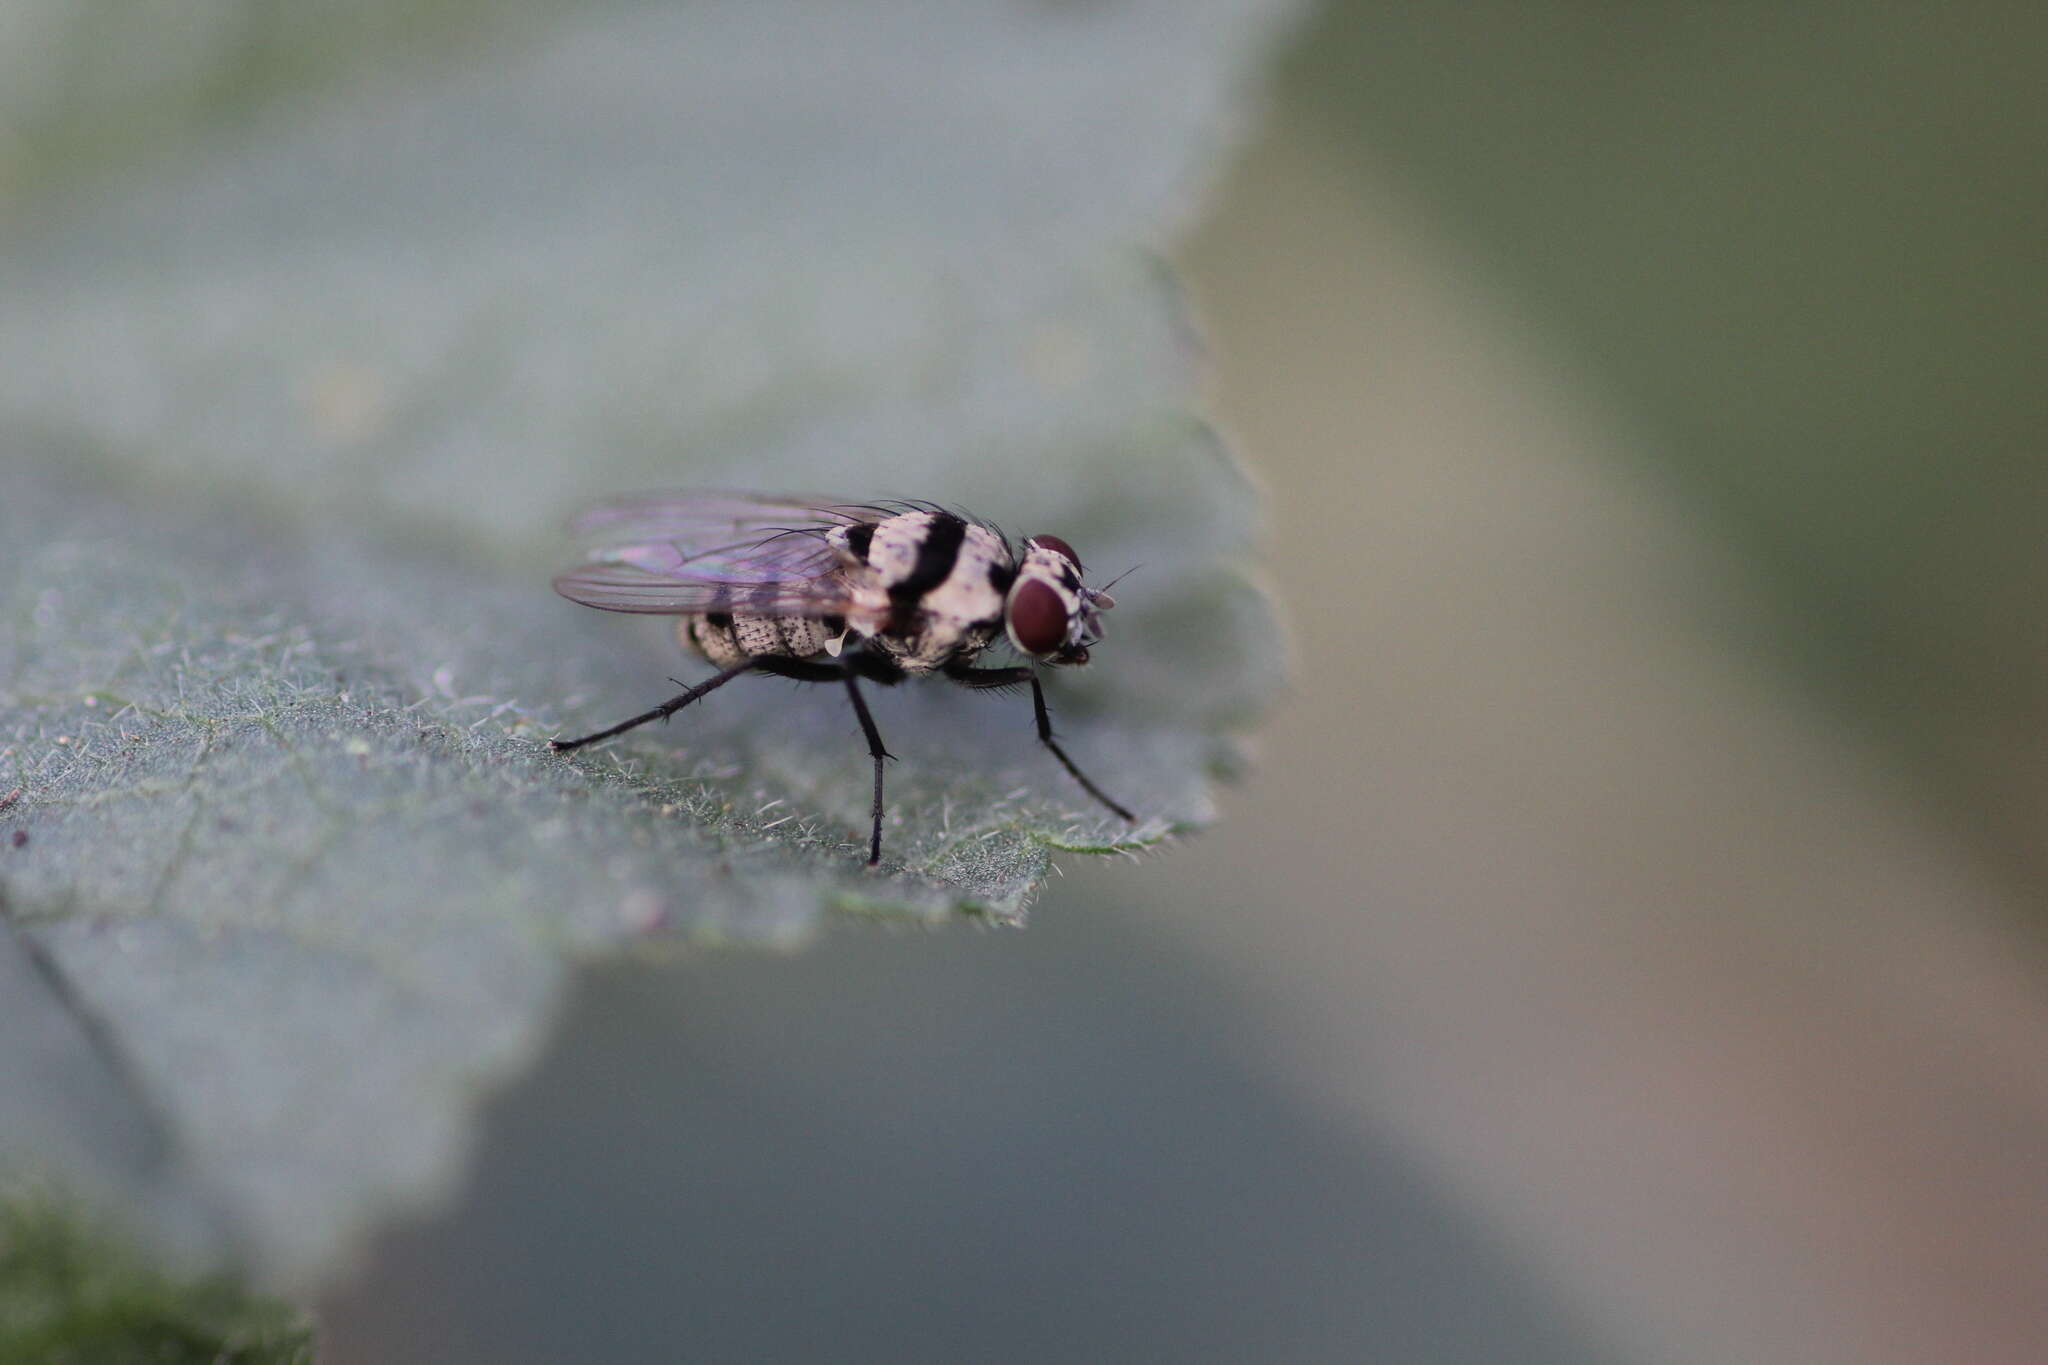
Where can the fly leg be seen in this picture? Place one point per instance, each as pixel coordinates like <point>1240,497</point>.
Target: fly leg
<point>1045,738</point>
<point>1000,679</point>
<point>878,752</point>
<point>849,671</point>
<point>661,712</point>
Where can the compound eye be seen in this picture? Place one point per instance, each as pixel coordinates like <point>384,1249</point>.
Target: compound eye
<point>1057,545</point>
<point>1038,618</point>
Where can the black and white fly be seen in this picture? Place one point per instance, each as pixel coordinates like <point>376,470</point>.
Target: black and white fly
<point>822,591</point>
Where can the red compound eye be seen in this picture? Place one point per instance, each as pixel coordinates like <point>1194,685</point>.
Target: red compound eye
<point>1056,544</point>
<point>1038,618</point>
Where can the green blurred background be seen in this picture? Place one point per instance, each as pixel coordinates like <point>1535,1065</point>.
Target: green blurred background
<point>1629,947</point>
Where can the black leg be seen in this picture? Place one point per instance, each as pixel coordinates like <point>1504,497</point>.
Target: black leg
<point>997,679</point>
<point>798,670</point>
<point>989,679</point>
<point>661,712</point>
<point>879,753</point>
<point>1045,738</point>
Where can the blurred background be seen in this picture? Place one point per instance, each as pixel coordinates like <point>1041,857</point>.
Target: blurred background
<point>1629,946</point>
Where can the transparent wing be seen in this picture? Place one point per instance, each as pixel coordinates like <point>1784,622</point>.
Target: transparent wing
<point>686,553</point>
<point>709,518</point>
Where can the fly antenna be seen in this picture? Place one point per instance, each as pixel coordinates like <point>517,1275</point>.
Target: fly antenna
<point>1120,578</point>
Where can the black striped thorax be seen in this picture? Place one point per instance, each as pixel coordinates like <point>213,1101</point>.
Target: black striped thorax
<point>926,587</point>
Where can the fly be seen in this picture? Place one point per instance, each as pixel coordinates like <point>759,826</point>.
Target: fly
<point>829,592</point>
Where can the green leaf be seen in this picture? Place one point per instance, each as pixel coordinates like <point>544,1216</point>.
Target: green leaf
<point>71,1295</point>
<point>297,379</point>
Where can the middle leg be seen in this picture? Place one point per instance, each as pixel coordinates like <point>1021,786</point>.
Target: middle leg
<point>849,671</point>
<point>878,752</point>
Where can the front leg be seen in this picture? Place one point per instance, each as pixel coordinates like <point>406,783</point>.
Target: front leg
<point>1000,679</point>
<point>988,679</point>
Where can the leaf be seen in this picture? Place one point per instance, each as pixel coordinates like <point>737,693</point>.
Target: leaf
<point>296,382</point>
<point>71,1294</point>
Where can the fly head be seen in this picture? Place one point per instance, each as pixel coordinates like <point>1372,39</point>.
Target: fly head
<point>1051,614</point>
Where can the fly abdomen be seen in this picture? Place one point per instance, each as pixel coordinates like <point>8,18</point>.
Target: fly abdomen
<point>726,638</point>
